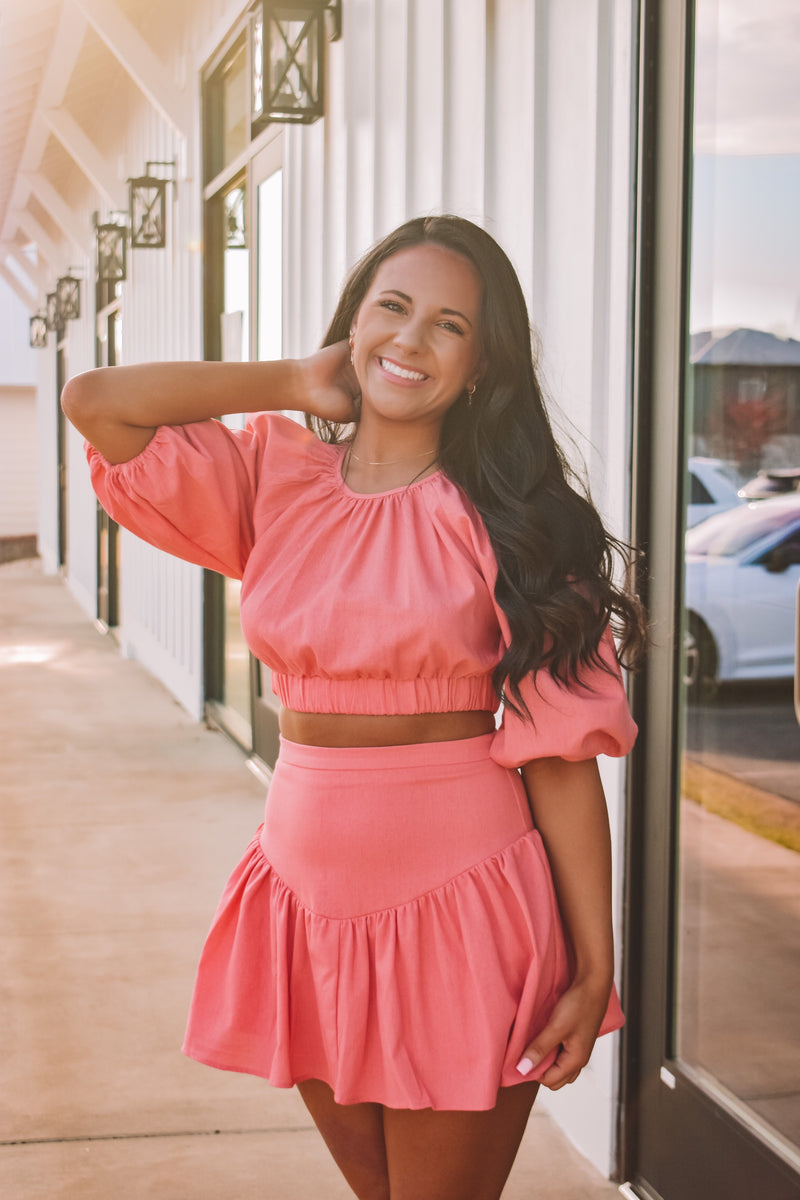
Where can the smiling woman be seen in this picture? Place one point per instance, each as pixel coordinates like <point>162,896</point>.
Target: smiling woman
<point>447,563</point>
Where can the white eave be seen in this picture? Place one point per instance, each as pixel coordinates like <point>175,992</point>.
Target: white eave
<point>68,69</point>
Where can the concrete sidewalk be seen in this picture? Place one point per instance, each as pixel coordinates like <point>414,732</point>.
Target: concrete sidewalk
<point>121,819</point>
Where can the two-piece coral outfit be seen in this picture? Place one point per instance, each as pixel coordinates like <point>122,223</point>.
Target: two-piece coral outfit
<point>392,928</point>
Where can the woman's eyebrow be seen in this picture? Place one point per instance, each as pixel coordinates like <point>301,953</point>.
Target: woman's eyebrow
<point>448,312</point>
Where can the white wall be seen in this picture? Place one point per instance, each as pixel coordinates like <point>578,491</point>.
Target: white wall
<point>18,488</point>
<point>18,492</point>
<point>17,360</point>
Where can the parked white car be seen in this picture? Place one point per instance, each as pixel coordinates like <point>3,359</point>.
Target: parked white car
<point>742,574</point>
<point>713,487</point>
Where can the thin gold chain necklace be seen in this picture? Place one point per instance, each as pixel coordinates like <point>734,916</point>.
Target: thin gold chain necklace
<point>365,462</point>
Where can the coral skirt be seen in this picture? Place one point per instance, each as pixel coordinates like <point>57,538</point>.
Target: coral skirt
<point>392,930</point>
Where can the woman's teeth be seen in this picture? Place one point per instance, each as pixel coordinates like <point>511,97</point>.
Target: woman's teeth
<point>401,372</point>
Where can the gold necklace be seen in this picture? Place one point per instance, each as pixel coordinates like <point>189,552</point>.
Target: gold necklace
<point>365,462</point>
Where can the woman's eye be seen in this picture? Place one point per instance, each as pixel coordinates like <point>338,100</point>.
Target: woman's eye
<point>451,327</point>
<point>392,305</point>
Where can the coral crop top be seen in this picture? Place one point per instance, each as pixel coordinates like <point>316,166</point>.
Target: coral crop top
<point>380,603</point>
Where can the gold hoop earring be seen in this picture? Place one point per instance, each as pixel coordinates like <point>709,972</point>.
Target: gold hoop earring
<point>352,337</point>
<point>471,394</point>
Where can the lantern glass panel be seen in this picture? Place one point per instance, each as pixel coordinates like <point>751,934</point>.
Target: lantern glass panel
<point>235,131</point>
<point>38,331</point>
<point>111,253</point>
<point>294,65</point>
<point>68,298</point>
<point>53,322</point>
<point>148,213</point>
<point>235,225</point>
<point>257,67</point>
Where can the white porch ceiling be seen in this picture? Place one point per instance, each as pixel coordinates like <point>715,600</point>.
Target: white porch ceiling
<point>69,69</point>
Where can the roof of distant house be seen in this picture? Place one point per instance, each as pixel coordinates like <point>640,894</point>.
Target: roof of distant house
<point>743,347</point>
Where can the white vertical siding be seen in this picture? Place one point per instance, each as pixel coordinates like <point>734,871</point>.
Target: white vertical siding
<point>391,114</point>
<point>510,73</point>
<point>426,107</point>
<point>464,85</point>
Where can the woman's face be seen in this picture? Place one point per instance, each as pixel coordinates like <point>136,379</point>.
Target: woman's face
<point>416,336</point>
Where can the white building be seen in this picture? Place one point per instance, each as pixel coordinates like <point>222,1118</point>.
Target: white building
<point>531,117</point>
<point>18,499</point>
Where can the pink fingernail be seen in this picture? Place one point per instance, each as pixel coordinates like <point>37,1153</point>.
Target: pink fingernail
<point>524,1066</point>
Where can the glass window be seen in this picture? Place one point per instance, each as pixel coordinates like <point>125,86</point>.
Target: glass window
<point>737,1016</point>
<point>226,111</point>
<point>700,494</point>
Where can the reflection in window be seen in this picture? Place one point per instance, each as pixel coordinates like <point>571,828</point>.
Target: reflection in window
<point>235,228</point>
<point>226,118</point>
<point>739,818</point>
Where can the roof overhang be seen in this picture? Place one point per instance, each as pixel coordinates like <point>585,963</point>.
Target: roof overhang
<point>60,76</point>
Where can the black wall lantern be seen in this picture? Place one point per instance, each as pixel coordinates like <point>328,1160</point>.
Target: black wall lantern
<point>111,253</point>
<point>287,60</point>
<point>148,208</point>
<point>68,298</point>
<point>38,331</point>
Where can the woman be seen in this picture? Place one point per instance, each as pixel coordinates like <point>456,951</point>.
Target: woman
<point>392,942</point>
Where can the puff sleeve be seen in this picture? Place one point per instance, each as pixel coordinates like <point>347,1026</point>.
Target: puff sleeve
<point>588,718</point>
<point>191,491</point>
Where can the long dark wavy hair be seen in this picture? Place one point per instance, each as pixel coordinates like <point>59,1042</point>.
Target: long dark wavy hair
<point>556,561</point>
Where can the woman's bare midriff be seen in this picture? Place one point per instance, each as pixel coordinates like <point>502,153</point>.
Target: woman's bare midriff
<point>336,729</point>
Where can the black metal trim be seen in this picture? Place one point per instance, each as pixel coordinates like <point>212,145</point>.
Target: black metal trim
<point>641,387</point>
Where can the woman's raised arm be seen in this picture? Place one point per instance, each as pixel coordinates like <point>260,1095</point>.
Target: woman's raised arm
<point>118,409</point>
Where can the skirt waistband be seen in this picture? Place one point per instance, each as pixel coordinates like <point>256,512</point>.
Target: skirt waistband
<point>417,754</point>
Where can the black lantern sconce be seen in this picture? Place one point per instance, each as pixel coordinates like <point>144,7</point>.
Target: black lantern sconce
<point>148,208</point>
<point>68,298</point>
<point>111,253</point>
<point>38,331</point>
<point>287,60</point>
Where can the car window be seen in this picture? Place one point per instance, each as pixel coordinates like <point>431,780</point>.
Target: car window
<point>732,532</point>
<point>699,492</point>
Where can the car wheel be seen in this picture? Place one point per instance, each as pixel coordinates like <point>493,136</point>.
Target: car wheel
<point>700,655</point>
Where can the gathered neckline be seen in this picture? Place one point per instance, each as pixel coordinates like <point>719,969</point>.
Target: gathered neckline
<point>337,466</point>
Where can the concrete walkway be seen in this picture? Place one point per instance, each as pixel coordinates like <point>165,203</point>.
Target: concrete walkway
<point>121,819</point>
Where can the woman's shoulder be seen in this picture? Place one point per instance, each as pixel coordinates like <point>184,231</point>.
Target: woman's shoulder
<point>450,506</point>
<point>286,438</point>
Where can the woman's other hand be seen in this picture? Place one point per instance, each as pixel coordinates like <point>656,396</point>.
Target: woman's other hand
<point>571,1032</point>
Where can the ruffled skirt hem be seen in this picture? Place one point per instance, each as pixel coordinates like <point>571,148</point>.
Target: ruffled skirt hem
<point>425,1004</point>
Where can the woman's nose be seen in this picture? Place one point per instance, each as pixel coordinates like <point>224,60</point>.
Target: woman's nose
<point>411,335</point>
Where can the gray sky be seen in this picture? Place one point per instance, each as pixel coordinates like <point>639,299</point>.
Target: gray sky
<point>746,196</point>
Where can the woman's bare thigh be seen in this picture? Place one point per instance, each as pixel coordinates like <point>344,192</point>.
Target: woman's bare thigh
<point>419,1154</point>
<point>456,1155</point>
<point>354,1135</point>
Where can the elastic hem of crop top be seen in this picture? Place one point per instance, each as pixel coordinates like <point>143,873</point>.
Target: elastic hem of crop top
<point>390,697</point>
